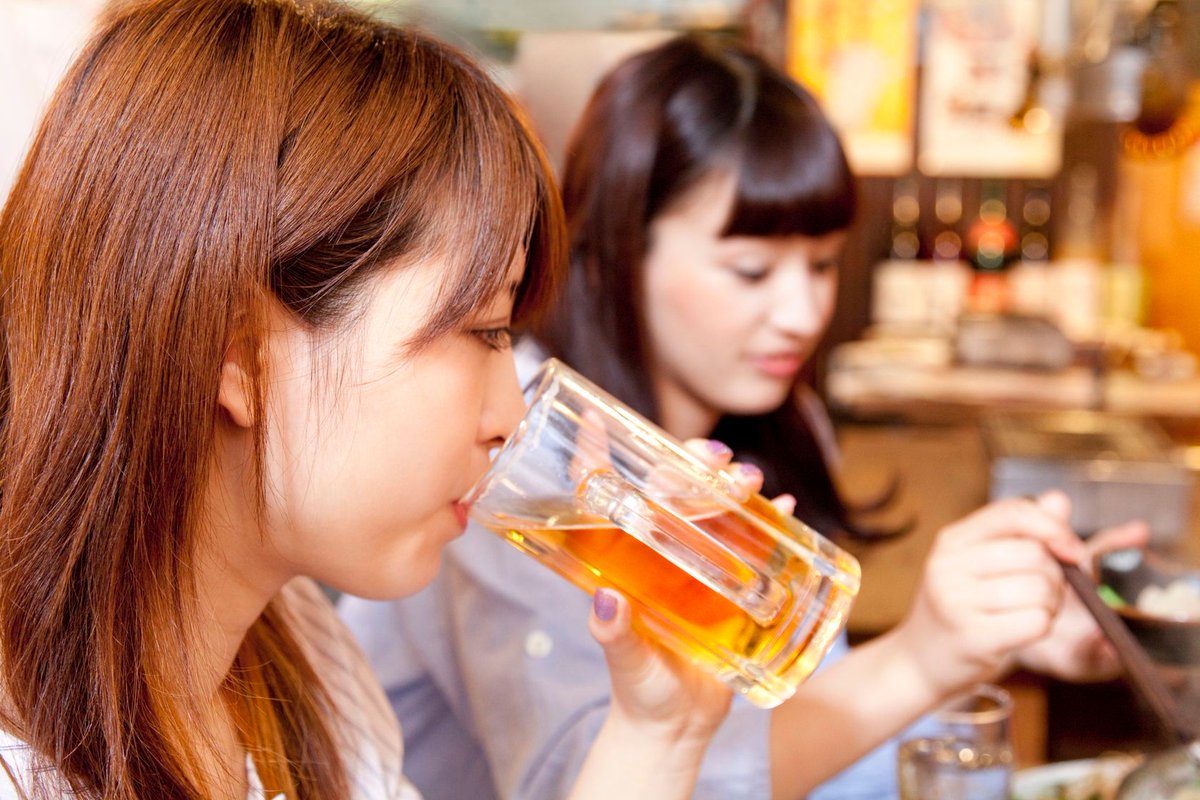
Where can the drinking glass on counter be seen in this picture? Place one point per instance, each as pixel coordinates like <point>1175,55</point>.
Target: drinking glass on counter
<point>967,752</point>
<point>607,499</point>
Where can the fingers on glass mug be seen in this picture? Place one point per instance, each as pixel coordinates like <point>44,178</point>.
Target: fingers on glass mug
<point>964,752</point>
<point>608,500</point>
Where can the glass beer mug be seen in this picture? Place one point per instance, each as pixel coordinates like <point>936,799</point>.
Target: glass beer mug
<point>606,499</point>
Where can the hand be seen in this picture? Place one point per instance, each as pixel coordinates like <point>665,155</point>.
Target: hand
<point>1075,649</point>
<point>749,477</point>
<point>991,586</point>
<point>655,692</point>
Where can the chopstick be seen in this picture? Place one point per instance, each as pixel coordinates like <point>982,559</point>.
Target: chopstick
<point>1142,673</point>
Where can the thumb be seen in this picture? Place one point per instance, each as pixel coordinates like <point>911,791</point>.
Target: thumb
<point>611,624</point>
<point>1056,503</point>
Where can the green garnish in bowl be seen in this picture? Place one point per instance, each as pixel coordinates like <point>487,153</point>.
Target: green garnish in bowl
<point>1109,595</point>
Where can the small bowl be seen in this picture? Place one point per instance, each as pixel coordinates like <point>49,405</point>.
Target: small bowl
<point>1166,640</point>
<point>1160,776</point>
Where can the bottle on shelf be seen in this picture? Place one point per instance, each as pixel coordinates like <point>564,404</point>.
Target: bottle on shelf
<point>947,210</point>
<point>949,274</point>
<point>898,294</point>
<point>1029,280</point>
<point>991,242</point>
<point>906,219</point>
<point>1075,298</point>
<point>1157,212</point>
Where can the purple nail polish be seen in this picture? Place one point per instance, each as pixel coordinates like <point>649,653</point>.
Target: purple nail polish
<point>718,448</point>
<point>604,605</point>
<point>750,471</point>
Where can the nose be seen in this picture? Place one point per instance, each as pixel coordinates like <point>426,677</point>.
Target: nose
<point>504,405</point>
<point>799,306</point>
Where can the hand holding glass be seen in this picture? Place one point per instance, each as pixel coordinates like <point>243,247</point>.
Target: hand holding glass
<point>606,499</point>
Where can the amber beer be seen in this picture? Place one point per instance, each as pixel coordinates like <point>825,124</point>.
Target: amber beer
<point>764,658</point>
<point>606,499</point>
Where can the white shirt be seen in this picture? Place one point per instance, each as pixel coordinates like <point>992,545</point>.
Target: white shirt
<point>370,736</point>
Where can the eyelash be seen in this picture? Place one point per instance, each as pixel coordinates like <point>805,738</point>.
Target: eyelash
<point>495,338</point>
<point>751,275</point>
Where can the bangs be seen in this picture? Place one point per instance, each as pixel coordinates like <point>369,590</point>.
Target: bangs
<point>793,179</point>
<point>432,160</point>
<point>497,205</point>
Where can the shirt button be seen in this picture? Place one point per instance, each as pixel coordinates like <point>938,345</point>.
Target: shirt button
<point>538,644</point>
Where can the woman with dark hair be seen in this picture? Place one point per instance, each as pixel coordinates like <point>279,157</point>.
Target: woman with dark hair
<point>707,201</point>
<point>258,273</point>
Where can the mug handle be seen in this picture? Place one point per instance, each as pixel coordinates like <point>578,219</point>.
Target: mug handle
<point>605,494</point>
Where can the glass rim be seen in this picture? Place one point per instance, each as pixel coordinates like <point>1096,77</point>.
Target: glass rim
<point>949,714</point>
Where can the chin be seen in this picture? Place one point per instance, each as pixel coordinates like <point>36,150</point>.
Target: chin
<point>389,579</point>
<point>389,587</point>
<point>755,404</point>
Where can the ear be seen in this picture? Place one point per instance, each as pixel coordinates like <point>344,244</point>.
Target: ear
<point>236,392</point>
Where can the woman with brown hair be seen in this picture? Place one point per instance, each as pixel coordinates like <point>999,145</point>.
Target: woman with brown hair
<point>258,273</point>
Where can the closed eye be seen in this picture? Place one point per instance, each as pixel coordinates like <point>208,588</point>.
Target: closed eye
<point>825,265</point>
<point>751,274</point>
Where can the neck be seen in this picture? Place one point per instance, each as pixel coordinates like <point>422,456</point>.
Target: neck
<point>233,589</point>
<point>681,413</point>
<point>236,575</point>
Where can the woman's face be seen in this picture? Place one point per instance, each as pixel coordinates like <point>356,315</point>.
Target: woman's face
<point>369,446</point>
<point>732,320</point>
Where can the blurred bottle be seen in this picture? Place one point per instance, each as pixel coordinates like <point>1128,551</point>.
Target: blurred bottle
<point>1030,280</point>
<point>991,242</point>
<point>1158,222</point>
<point>1125,286</point>
<point>900,293</point>
<point>948,210</point>
<point>906,219</point>
<point>1076,289</point>
<point>950,276</point>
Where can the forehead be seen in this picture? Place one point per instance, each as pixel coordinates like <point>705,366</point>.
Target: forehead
<point>823,246</point>
<point>707,204</point>
<point>407,297</point>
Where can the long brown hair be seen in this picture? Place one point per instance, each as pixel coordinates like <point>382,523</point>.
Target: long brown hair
<point>199,157</point>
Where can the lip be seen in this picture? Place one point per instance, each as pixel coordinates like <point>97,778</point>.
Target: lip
<point>778,365</point>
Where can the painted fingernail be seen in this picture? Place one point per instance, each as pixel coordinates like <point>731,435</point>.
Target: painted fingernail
<point>750,472</point>
<point>718,448</point>
<point>604,605</point>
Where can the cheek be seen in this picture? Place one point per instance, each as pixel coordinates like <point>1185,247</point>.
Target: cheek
<point>696,310</point>
<point>418,442</point>
<point>382,461</point>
